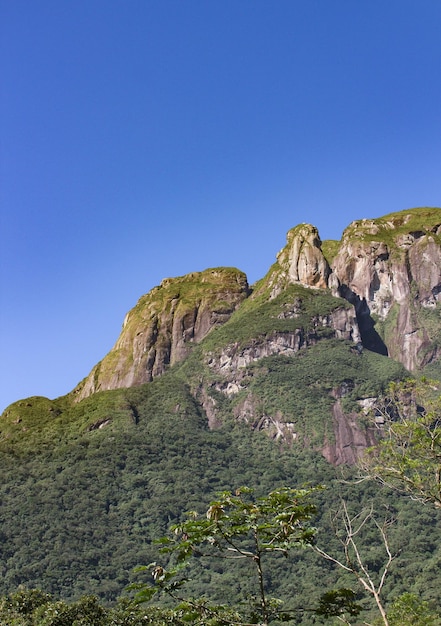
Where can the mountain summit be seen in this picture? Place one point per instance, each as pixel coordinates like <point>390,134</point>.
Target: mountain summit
<point>160,329</point>
<point>387,269</point>
<point>301,353</point>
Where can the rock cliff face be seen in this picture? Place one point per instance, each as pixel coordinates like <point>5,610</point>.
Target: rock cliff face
<point>350,440</point>
<point>341,322</point>
<point>161,328</point>
<point>300,261</point>
<point>379,289</point>
<point>390,269</point>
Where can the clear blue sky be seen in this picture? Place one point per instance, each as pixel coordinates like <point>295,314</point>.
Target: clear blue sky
<point>141,139</point>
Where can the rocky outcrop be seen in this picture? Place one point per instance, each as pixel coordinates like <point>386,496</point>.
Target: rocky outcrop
<point>276,427</point>
<point>390,269</point>
<point>235,357</point>
<point>350,439</point>
<point>160,330</point>
<point>346,445</point>
<point>379,288</point>
<point>232,370</point>
<point>302,258</point>
<point>300,261</point>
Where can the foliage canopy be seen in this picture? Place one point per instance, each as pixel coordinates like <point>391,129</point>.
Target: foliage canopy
<point>408,457</point>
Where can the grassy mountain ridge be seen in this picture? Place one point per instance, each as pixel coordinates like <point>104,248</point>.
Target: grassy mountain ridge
<point>390,227</point>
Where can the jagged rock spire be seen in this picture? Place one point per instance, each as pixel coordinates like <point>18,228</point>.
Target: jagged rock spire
<point>303,259</point>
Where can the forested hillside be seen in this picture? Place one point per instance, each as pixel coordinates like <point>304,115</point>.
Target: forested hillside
<point>281,384</point>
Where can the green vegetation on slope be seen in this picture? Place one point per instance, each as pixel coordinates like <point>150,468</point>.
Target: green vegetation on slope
<point>79,513</point>
<point>189,290</point>
<point>296,307</point>
<point>330,248</point>
<point>87,487</point>
<point>392,226</point>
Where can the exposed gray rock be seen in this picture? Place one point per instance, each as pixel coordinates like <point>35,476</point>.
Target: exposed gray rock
<point>275,426</point>
<point>350,438</point>
<point>300,261</point>
<point>161,328</point>
<point>390,270</point>
<point>235,357</point>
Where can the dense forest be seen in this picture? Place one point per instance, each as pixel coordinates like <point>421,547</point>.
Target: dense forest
<point>277,465</point>
<point>77,518</point>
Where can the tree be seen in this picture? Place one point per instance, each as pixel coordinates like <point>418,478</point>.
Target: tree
<point>240,526</point>
<point>17,608</point>
<point>29,607</point>
<point>348,529</point>
<point>409,610</point>
<point>408,455</point>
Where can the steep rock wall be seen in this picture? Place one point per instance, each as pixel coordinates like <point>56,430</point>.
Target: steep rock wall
<point>390,269</point>
<point>350,439</point>
<point>161,328</point>
<point>235,357</point>
<point>300,261</point>
<point>302,258</point>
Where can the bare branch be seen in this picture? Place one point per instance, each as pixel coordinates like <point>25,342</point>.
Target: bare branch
<point>353,527</point>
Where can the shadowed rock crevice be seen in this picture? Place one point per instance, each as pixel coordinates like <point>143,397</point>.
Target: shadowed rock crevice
<point>370,338</point>
<point>390,270</point>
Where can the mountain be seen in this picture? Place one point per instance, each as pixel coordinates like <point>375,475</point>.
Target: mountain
<point>159,331</point>
<point>388,269</point>
<point>214,383</point>
<point>377,288</point>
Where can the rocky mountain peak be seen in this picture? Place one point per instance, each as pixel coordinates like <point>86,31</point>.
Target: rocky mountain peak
<point>294,349</point>
<point>390,269</point>
<point>300,261</point>
<point>160,330</point>
<point>303,259</point>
